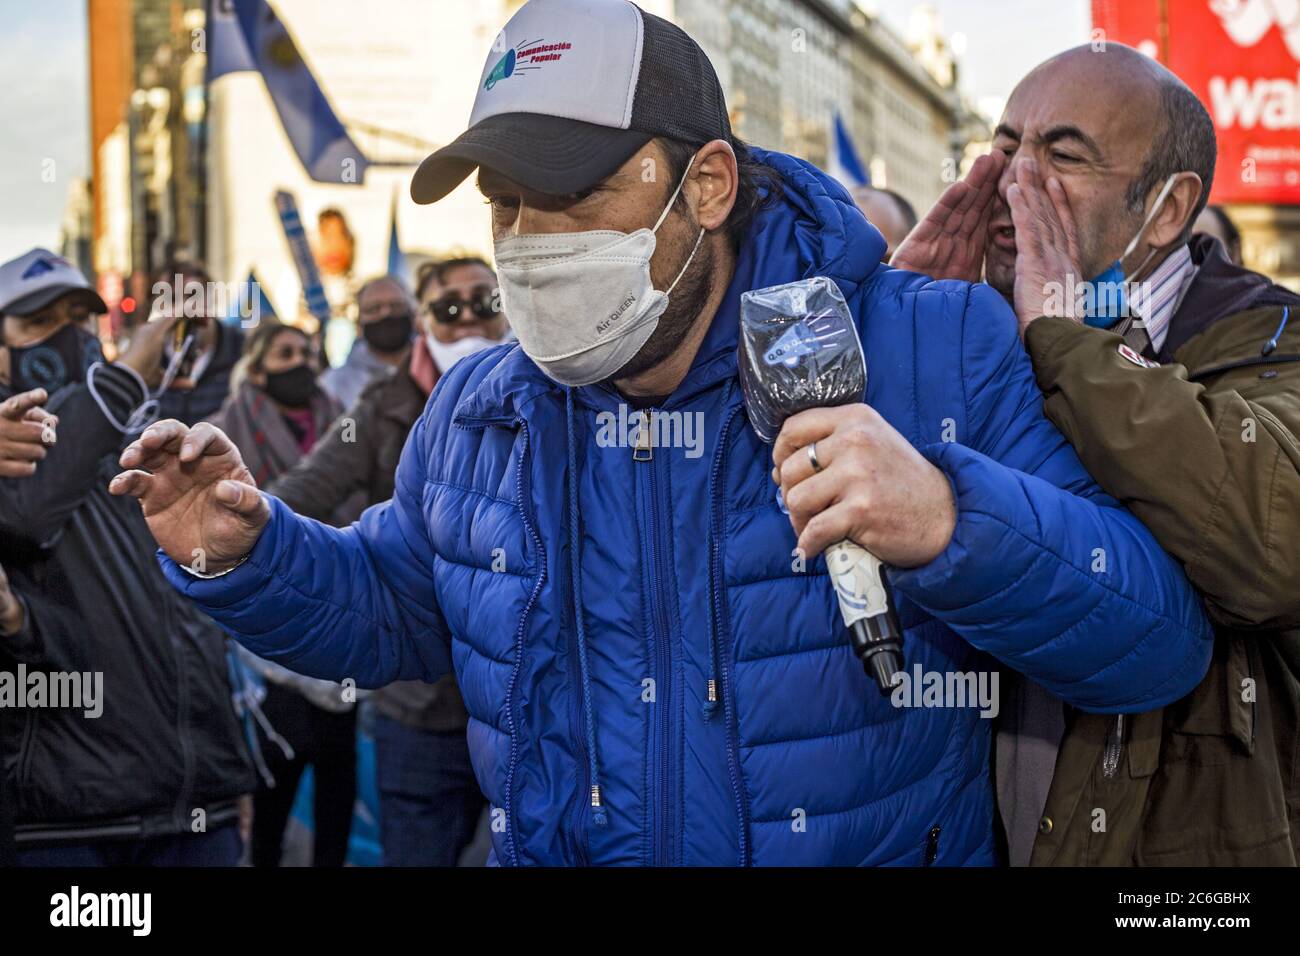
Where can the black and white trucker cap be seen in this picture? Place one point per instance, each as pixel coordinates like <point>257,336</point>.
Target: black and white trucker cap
<point>571,89</point>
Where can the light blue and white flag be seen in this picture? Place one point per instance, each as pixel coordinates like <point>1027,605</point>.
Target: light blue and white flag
<point>303,259</point>
<point>247,35</point>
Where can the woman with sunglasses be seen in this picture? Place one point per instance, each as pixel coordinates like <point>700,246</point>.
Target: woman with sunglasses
<point>429,800</point>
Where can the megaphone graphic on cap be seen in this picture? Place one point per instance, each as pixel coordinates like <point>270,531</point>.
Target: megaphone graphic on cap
<point>502,70</point>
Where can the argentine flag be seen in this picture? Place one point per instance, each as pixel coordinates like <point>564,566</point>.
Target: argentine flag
<point>247,35</point>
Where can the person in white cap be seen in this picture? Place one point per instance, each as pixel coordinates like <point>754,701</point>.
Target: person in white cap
<point>649,650</point>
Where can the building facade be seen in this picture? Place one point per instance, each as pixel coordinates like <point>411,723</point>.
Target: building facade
<point>788,66</point>
<point>406,67</point>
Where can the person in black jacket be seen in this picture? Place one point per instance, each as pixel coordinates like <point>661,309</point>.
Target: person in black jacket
<point>22,428</point>
<point>204,380</point>
<point>151,771</point>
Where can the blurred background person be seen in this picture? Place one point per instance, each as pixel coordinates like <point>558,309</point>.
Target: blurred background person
<point>203,377</point>
<point>275,416</point>
<point>887,211</point>
<point>276,410</point>
<point>385,326</point>
<point>1214,221</point>
<point>336,253</point>
<point>429,799</point>
<point>155,778</point>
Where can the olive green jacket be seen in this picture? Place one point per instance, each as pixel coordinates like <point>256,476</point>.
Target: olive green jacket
<point>1205,451</point>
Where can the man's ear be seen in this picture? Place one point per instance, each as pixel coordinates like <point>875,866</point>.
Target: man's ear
<point>1178,209</point>
<point>714,179</point>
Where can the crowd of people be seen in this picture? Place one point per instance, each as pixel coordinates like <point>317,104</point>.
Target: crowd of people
<point>1078,457</point>
<point>198,755</point>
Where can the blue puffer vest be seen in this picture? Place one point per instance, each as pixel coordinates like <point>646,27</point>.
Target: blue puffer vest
<point>642,628</point>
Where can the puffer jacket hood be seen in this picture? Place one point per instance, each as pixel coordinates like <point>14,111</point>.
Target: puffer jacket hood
<point>653,676</point>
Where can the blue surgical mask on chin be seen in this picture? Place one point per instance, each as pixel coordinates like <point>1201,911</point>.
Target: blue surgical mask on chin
<point>1105,302</point>
<point>1106,295</point>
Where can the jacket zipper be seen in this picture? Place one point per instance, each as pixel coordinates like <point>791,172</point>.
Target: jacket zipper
<point>644,453</point>
<point>1254,700</point>
<point>512,843</point>
<point>580,834</point>
<point>578,815</point>
<point>723,624</point>
<point>931,846</point>
<point>1114,748</point>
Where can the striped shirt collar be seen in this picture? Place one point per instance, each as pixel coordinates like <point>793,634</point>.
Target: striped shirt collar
<point>1163,291</point>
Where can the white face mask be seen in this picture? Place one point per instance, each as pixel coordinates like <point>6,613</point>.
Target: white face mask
<point>447,354</point>
<point>583,303</point>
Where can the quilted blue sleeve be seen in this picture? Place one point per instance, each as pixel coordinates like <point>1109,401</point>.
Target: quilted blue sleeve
<point>337,603</point>
<point>1044,570</point>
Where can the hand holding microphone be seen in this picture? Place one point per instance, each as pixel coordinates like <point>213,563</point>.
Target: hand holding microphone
<point>853,486</point>
<point>872,488</point>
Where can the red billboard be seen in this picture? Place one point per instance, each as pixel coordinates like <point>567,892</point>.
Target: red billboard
<point>1242,58</point>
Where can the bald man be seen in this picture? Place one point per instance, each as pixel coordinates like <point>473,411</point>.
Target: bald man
<point>385,326</point>
<point>1176,375</point>
<point>887,211</point>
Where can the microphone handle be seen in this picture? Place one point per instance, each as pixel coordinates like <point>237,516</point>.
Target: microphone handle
<point>867,608</point>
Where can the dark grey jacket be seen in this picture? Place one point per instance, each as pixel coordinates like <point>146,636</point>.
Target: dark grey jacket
<point>167,742</point>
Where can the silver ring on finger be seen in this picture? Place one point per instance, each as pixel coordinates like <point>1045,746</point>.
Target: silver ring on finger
<point>812,457</point>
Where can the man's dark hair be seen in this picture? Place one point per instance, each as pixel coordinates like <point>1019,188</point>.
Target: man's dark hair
<point>1183,142</point>
<point>756,184</point>
<point>436,270</point>
<point>1231,234</point>
<point>179,266</point>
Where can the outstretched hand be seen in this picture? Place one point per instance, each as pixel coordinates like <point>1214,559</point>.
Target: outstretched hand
<point>198,497</point>
<point>26,428</point>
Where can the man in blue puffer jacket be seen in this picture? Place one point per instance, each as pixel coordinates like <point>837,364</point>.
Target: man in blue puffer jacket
<point>653,673</point>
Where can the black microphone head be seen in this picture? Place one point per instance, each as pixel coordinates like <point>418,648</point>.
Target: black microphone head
<point>799,349</point>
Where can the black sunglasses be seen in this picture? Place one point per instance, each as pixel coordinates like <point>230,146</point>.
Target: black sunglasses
<point>482,303</point>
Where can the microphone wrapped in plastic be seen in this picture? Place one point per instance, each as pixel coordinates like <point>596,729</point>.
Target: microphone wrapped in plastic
<point>799,349</point>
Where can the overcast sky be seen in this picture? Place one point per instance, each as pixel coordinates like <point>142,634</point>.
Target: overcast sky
<point>44,110</point>
<point>1003,38</point>
<point>43,115</point>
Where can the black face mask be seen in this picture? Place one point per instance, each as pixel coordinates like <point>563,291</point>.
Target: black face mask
<point>60,360</point>
<point>294,387</point>
<point>389,334</point>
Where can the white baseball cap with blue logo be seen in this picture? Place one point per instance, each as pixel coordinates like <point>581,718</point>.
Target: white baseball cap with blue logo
<point>572,89</point>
